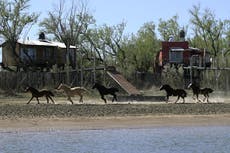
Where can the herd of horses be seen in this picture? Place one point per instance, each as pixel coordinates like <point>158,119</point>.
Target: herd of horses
<point>71,92</point>
<point>181,93</point>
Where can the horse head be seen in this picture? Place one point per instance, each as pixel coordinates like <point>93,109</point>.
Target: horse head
<point>96,85</point>
<point>193,86</point>
<point>190,85</point>
<point>60,86</point>
<point>162,87</point>
<point>27,89</point>
<point>165,87</point>
<point>31,89</point>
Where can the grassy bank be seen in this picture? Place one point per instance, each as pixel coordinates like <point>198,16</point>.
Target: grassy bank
<point>94,110</point>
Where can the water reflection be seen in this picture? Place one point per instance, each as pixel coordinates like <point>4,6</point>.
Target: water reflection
<point>160,140</point>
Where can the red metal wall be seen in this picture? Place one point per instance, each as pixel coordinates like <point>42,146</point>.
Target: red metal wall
<point>167,45</point>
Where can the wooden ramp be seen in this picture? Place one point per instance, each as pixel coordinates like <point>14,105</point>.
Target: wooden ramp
<point>123,83</point>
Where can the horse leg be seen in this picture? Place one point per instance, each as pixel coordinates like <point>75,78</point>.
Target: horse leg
<point>198,100</point>
<point>38,100</point>
<point>193,97</point>
<point>102,97</point>
<point>167,98</point>
<point>207,98</point>
<point>47,99</point>
<point>30,100</point>
<point>114,97</point>
<point>178,97</point>
<point>81,98</point>
<point>69,98</point>
<point>51,99</point>
<point>183,100</point>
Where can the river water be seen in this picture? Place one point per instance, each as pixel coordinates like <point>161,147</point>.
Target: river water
<point>198,139</point>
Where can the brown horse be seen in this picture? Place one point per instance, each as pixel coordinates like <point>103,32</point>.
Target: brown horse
<point>35,93</point>
<point>173,92</point>
<point>70,92</point>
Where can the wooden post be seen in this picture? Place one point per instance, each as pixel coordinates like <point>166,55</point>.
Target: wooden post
<point>104,63</point>
<point>67,63</point>
<point>82,70</point>
<point>191,70</point>
<point>94,68</point>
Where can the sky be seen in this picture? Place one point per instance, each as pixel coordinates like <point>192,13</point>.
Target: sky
<point>135,12</point>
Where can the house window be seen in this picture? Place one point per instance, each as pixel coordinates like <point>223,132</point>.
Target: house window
<point>176,56</point>
<point>28,54</point>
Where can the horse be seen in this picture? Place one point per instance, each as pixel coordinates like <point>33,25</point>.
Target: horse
<point>196,91</point>
<point>35,93</point>
<point>70,92</point>
<point>173,92</point>
<point>106,91</point>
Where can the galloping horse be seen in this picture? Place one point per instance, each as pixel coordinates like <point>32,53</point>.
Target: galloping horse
<point>173,92</point>
<point>196,91</point>
<point>106,91</point>
<point>70,92</point>
<point>36,93</point>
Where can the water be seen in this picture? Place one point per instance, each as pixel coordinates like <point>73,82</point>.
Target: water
<point>215,139</point>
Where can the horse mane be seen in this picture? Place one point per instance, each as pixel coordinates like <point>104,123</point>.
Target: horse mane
<point>64,85</point>
<point>167,87</point>
<point>32,89</point>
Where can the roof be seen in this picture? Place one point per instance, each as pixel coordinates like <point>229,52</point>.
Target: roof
<point>44,43</point>
<point>177,49</point>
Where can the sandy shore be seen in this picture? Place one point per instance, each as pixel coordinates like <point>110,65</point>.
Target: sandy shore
<point>86,123</point>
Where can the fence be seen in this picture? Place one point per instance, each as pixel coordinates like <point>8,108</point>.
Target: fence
<point>18,80</point>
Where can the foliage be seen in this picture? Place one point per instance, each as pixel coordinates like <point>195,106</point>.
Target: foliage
<point>173,76</point>
<point>140,50</point>
<point>14,19</point>
<point>170,28</point>
<point>207,29</point>
<point>68,24</point>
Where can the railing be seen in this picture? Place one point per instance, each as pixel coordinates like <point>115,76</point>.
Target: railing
<point>18,80</point>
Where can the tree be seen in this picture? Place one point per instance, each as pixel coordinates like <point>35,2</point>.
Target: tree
<point>14,19</point>
<point>142,48</point>
<point>68,25</point>
<point>170,28</point>
<point>207,28</point>
<point>110,38</point>
<point>105,42</point>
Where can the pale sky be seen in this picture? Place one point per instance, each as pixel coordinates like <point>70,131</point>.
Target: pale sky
<point>136,12</point>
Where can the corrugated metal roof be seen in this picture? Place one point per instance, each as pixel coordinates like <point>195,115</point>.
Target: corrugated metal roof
<point>44,43</point>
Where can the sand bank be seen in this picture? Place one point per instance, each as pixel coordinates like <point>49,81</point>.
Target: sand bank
<point>87,123</point>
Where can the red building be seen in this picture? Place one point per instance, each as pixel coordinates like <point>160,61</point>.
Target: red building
<point>179,53</point>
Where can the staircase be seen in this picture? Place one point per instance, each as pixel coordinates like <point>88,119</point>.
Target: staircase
<point>123,83</point>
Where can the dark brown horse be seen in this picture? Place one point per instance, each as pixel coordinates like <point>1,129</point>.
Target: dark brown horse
<point>173,92</point>
<point>197,90</point>
<point>106,91</point>
<point>35,93</point>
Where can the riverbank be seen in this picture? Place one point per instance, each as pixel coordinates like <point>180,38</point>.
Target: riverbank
<point>16,117</point>
<point>109,110</point>
<point>86,123</point>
